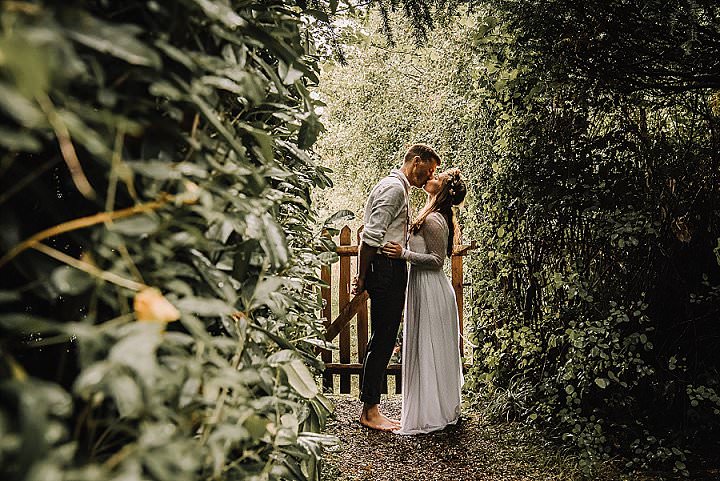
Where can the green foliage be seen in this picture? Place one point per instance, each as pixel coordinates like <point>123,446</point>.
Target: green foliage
<point>624,46</point>
<point>177,133</point>
<point>598,224</point>
<point>594,290</point>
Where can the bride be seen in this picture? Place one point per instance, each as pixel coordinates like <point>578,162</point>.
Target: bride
<point>431,368</point>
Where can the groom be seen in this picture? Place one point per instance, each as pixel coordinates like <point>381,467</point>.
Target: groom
<point>387,215</point>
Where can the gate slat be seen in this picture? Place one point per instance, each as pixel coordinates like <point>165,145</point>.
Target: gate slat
<point>456,263</point>
<point>343,299</point>
<point>326,276</point>
<point>362,322</point>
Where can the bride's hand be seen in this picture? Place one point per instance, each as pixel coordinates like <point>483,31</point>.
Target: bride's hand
<point>393,250</point>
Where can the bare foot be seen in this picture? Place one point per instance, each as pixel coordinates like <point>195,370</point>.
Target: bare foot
<point>396,422</point>
<point>380,424</point>
<point>372,419</point>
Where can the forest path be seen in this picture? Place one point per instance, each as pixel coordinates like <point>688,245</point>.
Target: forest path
<point>472,450</point>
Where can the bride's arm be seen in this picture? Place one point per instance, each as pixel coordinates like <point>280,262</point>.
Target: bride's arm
<point>435,234</point>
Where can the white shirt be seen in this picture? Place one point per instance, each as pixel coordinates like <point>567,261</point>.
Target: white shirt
<point>387,211</point>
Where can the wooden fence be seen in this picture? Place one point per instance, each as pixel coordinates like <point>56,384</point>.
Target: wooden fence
<point>356,308</point>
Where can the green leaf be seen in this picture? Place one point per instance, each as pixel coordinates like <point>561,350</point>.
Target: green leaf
<point>264,288</point>
<point>309,131</point>
<point>82,133</point>
<point>256,426</point>
<point>137,349</point>
<point>289,74</point>
<point>300,378</point>
<point>136,226</point>
<point>155,169</point>
<point>19,141</point>
<point>211,116</point>
<point>204,306</point>
<point>221,284</point>
<point>274,45</point>
<point>71,281</point>
<point>117,40</point>
<point>328,257</point>
<point>221,12</point>
<point>274,242</point>
<point>22,323</point>
<point>91,379</point>
<point>127,395</point>
<point>263,139</point>
<point>25,112</point>
<point>602,382</point>
<point>343,215</point>
<point>179,55</point>
<point>9,296</point>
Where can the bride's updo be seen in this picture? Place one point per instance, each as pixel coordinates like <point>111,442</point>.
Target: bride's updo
<point>455,187</point>
<point>451,193</point>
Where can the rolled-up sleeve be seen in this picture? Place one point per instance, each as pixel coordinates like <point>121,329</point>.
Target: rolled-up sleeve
<point>385,206</point>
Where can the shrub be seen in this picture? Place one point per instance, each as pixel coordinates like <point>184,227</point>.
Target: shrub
<point>160,150</point>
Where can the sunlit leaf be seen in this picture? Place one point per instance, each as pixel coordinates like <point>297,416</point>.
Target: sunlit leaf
<point>70,280</point>
<point>135,226</point>
<point>300,378</point>
<point>204,306</point>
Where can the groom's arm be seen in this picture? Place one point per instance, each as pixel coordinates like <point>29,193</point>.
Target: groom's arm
<point>384,206</point>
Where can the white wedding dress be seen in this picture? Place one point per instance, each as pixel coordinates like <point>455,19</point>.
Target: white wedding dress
<point>431,369</point>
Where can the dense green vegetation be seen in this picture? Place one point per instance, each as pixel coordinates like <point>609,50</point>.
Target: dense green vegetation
<point>593,155</point>
<point>159,249</point>
<point>164,146</point>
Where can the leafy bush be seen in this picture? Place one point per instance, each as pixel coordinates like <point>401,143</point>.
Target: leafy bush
<point>154,169</point>
<point>597,229</point>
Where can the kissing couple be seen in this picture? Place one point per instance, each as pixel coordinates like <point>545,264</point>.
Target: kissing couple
<point>431,367</point>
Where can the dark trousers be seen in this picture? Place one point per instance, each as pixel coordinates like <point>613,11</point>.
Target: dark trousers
<point>385,283</point>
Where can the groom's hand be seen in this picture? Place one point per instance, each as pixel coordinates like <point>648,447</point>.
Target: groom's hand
<point>393,250</point>
<point>358,286</point>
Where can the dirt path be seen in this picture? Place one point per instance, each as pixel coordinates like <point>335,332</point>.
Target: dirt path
<point>473,450</point>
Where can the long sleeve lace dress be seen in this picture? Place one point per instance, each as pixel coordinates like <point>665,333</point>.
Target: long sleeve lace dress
<point>431,370</point>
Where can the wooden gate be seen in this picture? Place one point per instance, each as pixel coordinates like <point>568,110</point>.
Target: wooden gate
<point>356,308</point>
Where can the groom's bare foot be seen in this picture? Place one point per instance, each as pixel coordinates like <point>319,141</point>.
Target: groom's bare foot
<point>396,422</point>
<point>373,419</point>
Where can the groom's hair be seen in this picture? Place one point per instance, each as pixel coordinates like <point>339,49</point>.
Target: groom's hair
<point>425,152</point>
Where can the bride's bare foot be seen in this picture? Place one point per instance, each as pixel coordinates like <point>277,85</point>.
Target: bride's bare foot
<point>372,419</point>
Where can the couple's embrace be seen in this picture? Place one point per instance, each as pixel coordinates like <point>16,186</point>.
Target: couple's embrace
<point>431,368</point>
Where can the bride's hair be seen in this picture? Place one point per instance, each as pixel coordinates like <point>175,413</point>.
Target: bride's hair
<point>452,192</point>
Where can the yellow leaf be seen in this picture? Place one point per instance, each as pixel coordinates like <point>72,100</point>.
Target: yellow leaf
<point>151,305</point>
